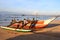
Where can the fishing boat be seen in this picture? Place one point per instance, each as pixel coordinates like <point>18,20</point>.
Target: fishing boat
<point>39,24</point>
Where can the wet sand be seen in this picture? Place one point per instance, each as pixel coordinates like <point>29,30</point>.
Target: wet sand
<point>51,32</point>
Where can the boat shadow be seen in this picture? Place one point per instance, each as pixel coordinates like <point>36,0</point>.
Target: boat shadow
<point>52,25</point>
<point>37,36</point>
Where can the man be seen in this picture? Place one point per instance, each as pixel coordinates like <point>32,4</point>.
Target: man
<point>33,23</point>
<point>12,22</point>
<point>24,23</point>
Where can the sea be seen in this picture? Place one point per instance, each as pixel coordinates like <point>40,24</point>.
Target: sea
<point>5,19</point>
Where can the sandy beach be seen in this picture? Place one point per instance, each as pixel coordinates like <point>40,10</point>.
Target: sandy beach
<point>51,32</point>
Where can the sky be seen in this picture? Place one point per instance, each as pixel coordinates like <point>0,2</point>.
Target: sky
<point>42,7</point>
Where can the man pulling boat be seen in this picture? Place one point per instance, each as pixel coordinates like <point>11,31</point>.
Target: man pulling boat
<point>24,23</point>
<point>33,23</point>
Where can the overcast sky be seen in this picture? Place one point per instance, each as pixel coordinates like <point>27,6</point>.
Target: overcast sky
<point>45,7</point>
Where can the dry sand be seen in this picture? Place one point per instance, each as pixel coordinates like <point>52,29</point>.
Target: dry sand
<point>51,32</point>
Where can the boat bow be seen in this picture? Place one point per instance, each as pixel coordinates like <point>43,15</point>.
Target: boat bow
<point>49,20</point>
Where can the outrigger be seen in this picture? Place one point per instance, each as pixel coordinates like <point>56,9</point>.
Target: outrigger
<point>37,25</point>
